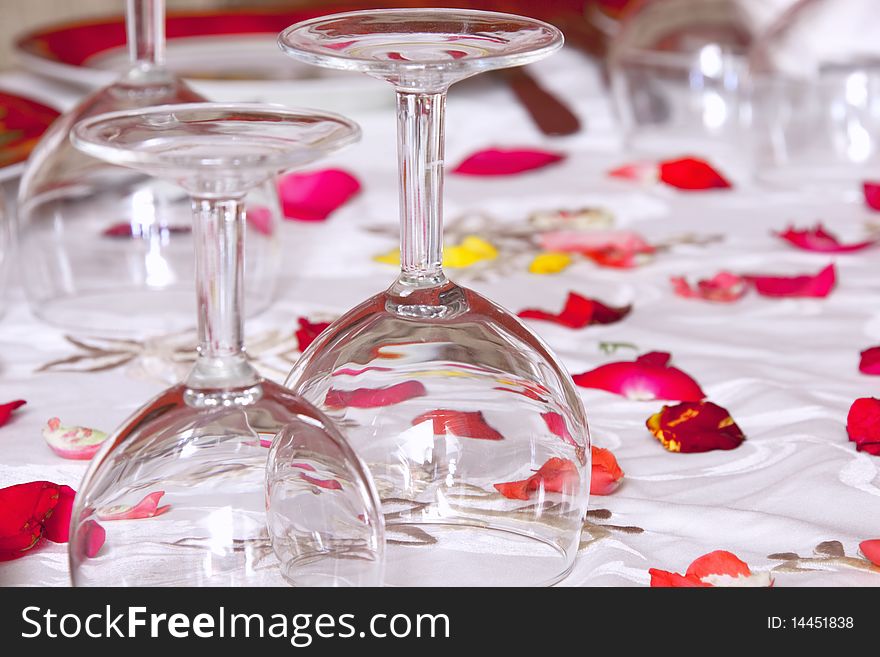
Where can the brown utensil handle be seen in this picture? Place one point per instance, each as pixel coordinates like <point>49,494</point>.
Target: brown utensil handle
<point>549,113</point>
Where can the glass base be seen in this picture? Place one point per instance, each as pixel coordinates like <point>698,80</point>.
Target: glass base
<point>210,466</point>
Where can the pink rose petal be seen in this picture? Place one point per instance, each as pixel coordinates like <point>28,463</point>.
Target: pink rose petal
<point>329,484</point>
<point>146,508</point>
<point>870,361</point>
<point>817,285</point>
<point>93,535</point>
<point>259,217</point>
<point>374,397</point>
<point>506,162</point>
<point>556,425</point>
<point>820,240</point>
<point>79,443</point>
<point>649,377</point>
<point>724,287</point>
<point>314,196</point>
<point>608,248</point>
<point>348,371</point>
<point>308,331</point>
<point>644,172</point>
<point>872,195</point>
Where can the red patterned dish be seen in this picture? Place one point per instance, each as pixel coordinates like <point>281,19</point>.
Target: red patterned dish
<point>22,123</point>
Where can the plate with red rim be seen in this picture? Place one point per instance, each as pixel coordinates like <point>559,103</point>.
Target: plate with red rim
<point>22,122</point>
<point>225,55</point>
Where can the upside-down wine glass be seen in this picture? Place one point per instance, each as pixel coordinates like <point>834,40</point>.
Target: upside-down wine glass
<point>472,429</point>
<point>180,489</point>
<point>107,250</point>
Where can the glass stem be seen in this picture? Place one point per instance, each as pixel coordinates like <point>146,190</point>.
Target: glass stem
<point>222,373</point>
<point>145,30</point>
<point>420,137</point>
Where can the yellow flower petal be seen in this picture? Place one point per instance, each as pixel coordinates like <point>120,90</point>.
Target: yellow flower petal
<point>479,246</point>
<point>549,262</point>
<point>390,258</point>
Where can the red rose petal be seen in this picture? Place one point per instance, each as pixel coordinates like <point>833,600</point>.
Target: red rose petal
<point>872,195</point>
<point>23,512</point>
<point>719,562</point>
<point>724,287</point>
<point>665,579</point>
<point>259,217</point>
<point>314,196</point>
<point>820,240</point>
<point>329,484</point>
<point>871,550</point>
<point>557,475</point>
<point>94,536</point>
<point>506,162</point>
<point>818,285</point>
<point>146,508</point>
<point>692,427</point>
<point>870,361</point>
<point>464,424</point>
<point>556,424</point>
<point>308,331</point>
<point>579,312</point>
<point>57,523</point>
<point>374,397</point>
<point>690,173</point>
<point>649,377</point>
<point>863,425</point>
<point>7,408</point>
<point>606,472</point>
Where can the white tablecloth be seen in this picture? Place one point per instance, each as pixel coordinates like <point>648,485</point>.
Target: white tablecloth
<point>786,369</point>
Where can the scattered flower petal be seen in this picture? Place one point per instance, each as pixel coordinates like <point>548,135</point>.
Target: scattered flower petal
<point>329,484</point>
<point>869,363</point>
<point>308,331</point>
<point>146,508</point>
<point>464,424</point>
<point>315,196</point>
<point>643,172</point>
<point>259,217</point>
<point>94,536</point>
<point>607,248</point>
<point>690,173</point>
<point>606,472</point>
<point>872,195</point>
<point>724,287</point>
<point>470,251</point>
<point>7,409</point>
<point>505,162</point>
<point>556,425</point>
<point>820,240</point>
<point>72,442</point>
<point>374,397</point>
<point>863,425</point>
<point>57,523</point>
<point>719,568</point>
<point>692,427</point>
<point>24,509</point>
<point>347,371</point>
<point>818,285</point>
<point>549,262</point>
<point>871,550</point>
<point>579,312</point>
<point>557,475</point>
<point>647,378</point>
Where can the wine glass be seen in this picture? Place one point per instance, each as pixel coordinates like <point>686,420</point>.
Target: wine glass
<point>180,488</point>
<point>816,94</point>
<point>472,429</point>
<point>107,250</point>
